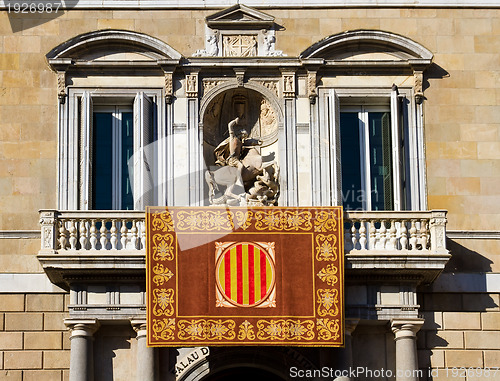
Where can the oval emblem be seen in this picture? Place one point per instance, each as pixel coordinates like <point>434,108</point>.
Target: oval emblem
<point>245,274</point>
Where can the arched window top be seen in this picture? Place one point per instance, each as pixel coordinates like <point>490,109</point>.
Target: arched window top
<point>112,46</point>
<point>368,45</point>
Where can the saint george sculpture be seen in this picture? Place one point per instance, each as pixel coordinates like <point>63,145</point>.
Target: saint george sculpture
<point>247,179</point>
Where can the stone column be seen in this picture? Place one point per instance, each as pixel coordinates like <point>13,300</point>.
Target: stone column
<point>146,365</point>
<point>81,366</point>
<point>345,360</point>
<point>288,143</point>
<point>405,331</point>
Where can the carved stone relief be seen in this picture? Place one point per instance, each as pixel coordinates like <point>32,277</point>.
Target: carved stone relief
<point>192,85</point>
<point>239,45</point>
<point>268,121</point>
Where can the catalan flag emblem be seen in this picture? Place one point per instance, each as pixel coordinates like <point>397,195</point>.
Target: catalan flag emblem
<point>245,274</point>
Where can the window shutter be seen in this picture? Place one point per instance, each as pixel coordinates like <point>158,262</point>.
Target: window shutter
<point>336,176</point>
<point>396,120</point>
<point>86,144</point>
<point>143,157</point>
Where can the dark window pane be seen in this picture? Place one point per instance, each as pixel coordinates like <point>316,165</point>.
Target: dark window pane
<point>352,193</point>
<point>127,152</point>
<point>102,161</point>
<point>379,132</point>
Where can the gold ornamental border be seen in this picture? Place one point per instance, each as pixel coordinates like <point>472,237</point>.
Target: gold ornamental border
<point>167,329</point>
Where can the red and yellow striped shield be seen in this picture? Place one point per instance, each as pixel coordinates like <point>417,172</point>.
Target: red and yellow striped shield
<point>245,274</point>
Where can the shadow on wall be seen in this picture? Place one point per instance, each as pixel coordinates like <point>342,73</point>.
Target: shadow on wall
<point>113,357</point>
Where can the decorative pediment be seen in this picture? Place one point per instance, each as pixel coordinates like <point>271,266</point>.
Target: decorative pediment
<point>110,47</point>
<point>368,46</point>
<point>240,16</point>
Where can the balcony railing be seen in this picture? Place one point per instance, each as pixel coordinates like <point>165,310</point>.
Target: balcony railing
<point>110,240</point>
<point>124,231</point>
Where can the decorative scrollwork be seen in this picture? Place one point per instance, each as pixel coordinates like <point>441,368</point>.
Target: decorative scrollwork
<point>325,221</point>
<point>271,330</point>
<point>326,247</point>
<point>246,331</point>
<point>163,247</point>
<point>202,329</point>
<point>300,330</point>
<point>285,329</point>
<point>163,302</point>
<point>289,220</point>
<point>163,329</point>
<point>162,274</point>
<point>163,221</point>
<point>243,219</point>
<point>328,274</point>
<point>328,301</point>
<point>328,329</point>
<point>207,220</point>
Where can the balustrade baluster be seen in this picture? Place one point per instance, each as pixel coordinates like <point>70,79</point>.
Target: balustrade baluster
<point>133,231</point>
<point>354,234</point>
<point>393,235</point>
<point>372,240</point>
<point>404,237</point>
<point>123,234</point>
<point>113,234</point>
<point>362,234</point>
<point>413,235</point>
<point>84,239</point>
<point>93,235</point>
<point>423,234</point>
<point>103,238</point>
<point>383,234</point>
<point>143,235</point>
<point>72,235</point>
<point>62,234</point>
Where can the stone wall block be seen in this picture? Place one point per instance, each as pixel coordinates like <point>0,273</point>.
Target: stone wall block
<point>56,359</point>
<point>462,320</point>
<point>24,322</point>
<point>23,360</point>
<point>490,320</point>
<point>482,340</point>
<point>42,375</point>
<point>12,302</point>
<point>43,340</point>
<point>45,302</point>
<point>462,358</point>
<point>11,340</point>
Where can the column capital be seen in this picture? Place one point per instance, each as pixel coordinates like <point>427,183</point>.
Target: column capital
<point>82,327</point>
<point>406,328</point>
<point>140,327</point>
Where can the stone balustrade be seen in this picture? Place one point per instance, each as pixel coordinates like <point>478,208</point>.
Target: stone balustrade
<point>377,243</point>
<point>380,231</point>
<point>385,231</point>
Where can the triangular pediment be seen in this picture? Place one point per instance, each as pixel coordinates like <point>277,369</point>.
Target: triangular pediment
<point>239,16</point>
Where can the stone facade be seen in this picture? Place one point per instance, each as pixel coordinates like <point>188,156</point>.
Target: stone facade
<point>460,173</point>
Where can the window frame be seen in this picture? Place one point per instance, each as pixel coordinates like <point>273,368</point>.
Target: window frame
<point>407,142</point>
<point>74,179</point>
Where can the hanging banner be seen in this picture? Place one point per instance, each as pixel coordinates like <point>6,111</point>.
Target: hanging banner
<point>245,276</point>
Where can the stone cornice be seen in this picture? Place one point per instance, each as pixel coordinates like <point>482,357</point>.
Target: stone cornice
<point>217,4</point>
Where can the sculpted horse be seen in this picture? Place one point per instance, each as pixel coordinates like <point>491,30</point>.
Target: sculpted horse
<point>252,170</point>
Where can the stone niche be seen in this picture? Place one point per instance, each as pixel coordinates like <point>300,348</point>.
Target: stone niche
<point>257,117</point>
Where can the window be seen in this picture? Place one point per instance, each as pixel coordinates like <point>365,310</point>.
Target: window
<point>366,156</point>
<point>370,149</point>
<point>114,158</point>
<point>112,172</point>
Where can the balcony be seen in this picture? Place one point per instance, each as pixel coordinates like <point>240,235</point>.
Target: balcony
<point>78,245</point>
